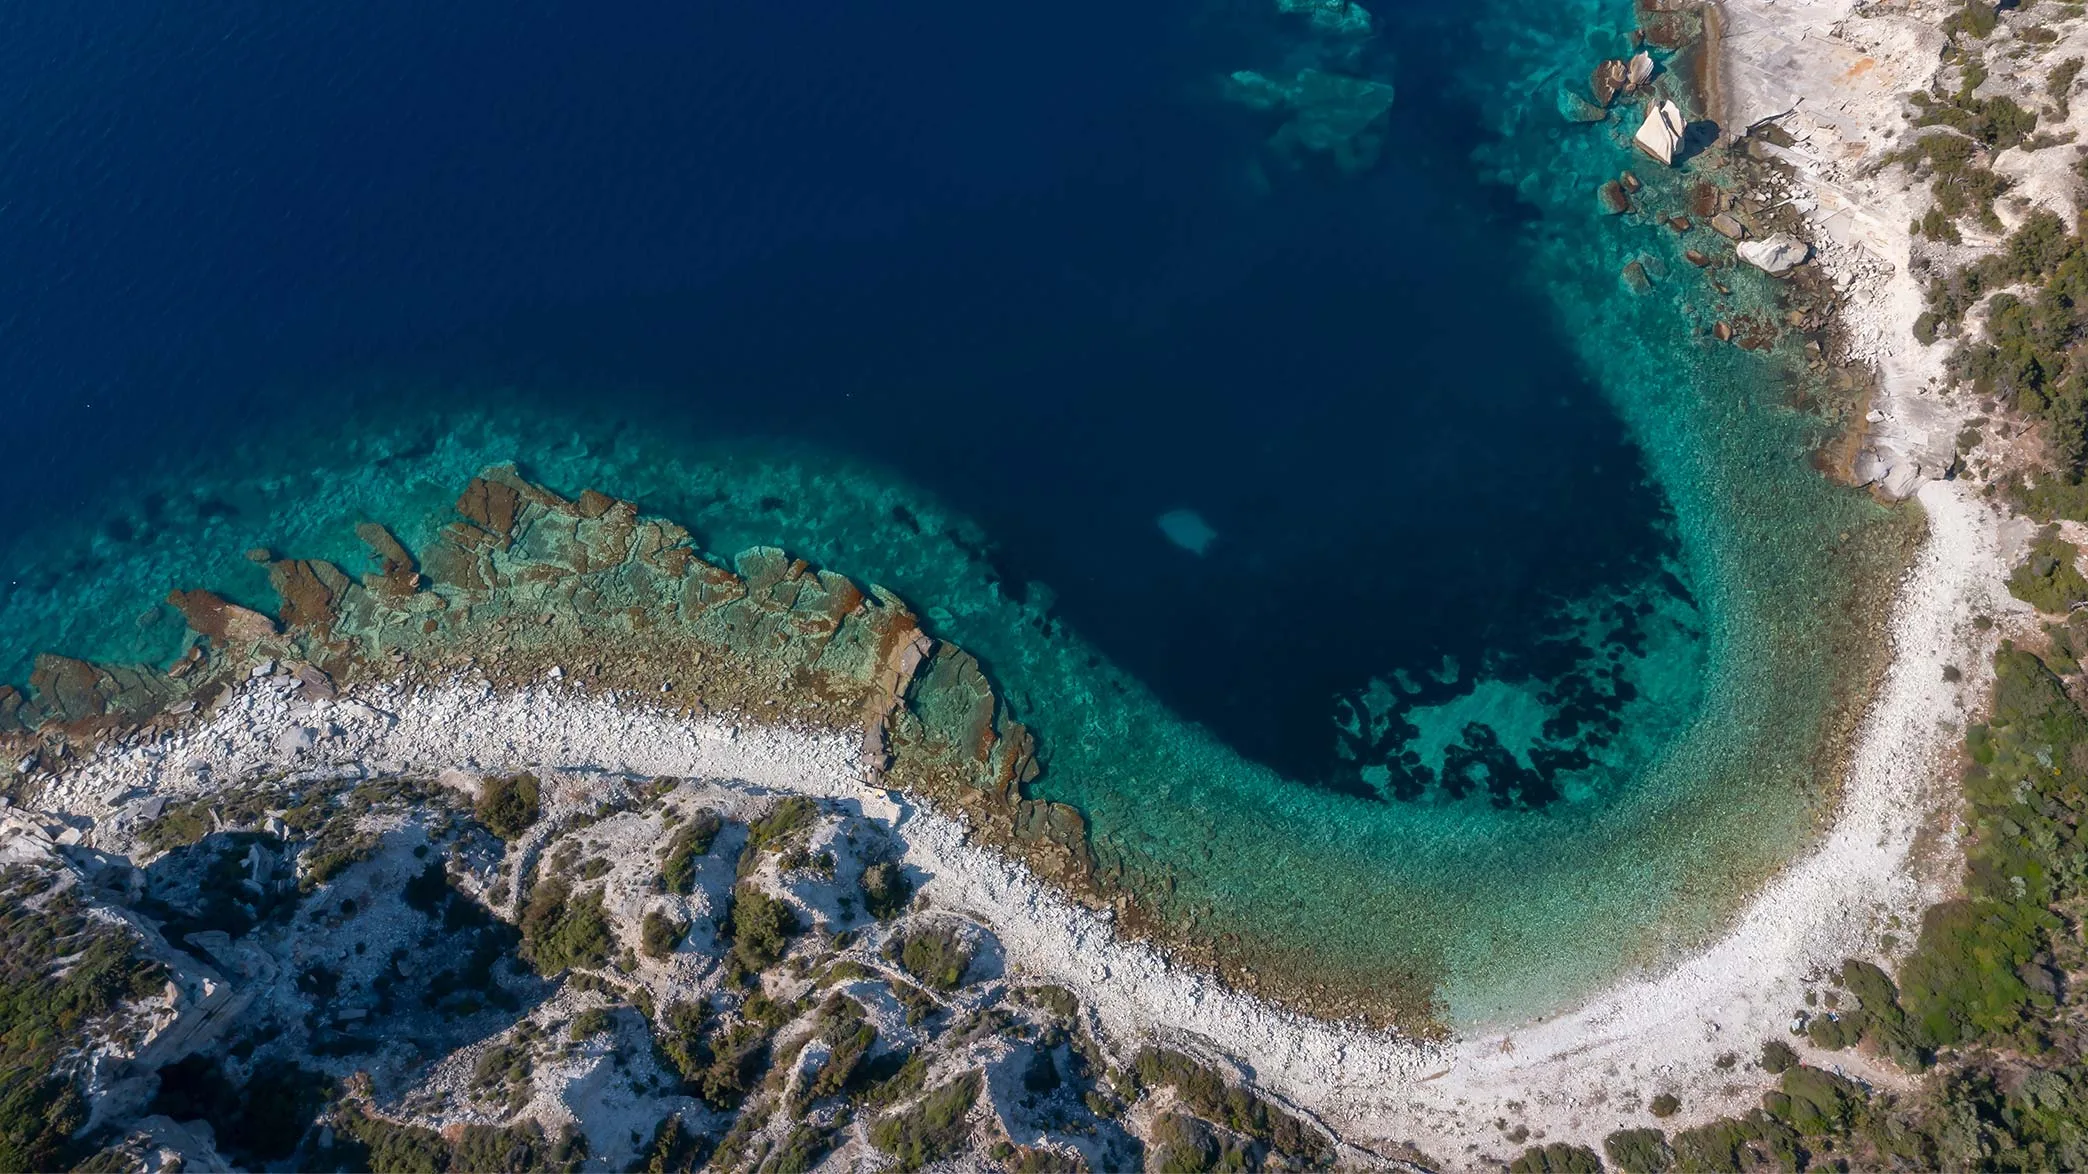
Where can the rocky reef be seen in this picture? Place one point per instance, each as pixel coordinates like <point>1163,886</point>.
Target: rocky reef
<point>526,585</point>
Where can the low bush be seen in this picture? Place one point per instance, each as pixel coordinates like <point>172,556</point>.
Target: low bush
<point>932,1130</point>
<point>1556,1158</point>
<point>690,840</point>
<point>762,927</point>
<point>2048,578</point>
<point>45,1009</point>
<point>561,931</point>
<point>659,934</point>
<point>937,957</point>
<point>1639,1151</point>
<point>508,805</point>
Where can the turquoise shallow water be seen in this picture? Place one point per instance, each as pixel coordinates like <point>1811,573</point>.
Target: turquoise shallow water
<point>1658,571</point>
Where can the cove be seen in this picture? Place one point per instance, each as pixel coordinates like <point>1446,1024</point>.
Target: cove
<point>1477,692</point>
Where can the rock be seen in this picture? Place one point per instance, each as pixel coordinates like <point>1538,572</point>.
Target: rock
<point>1728,227</point>
<point>1631,182</point>
<point>1777,255</point>
<point>295,740</point>
<point>1639,71</point>
<point>311,590</point>
<point>1900,481</point>
<point>221,622</point>
<point>1661,134</point>
<point>395,576</point>
<point>1608,78</point>
<point>1867,468</point>
<point>491,505</point>
<point>314,684</point>
<point>1723,331</point>
<point>1614,201</point>
<point>1678,223</point>
<point>1574,108</point>
<point>1342,18</point>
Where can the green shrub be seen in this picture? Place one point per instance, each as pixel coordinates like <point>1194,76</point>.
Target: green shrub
<point>44,1010</point>
<point>1556,1158</point>
<point>849,1037</point>
<point>762,927</point>
<point>933,1129</point>
<point>784,821</point>
<point>562,932</point>
<point>802,1148</point>
<point>1742,1143</point>
<point>1832,1033</point>
<point>885,890</point>
<point>1666,1104</point>
<point>1639,1151</point>
<point>689,841</point>
<point>674,1149</point>
<point>1777,1055</point>
<point>2048,580</point>
<point>1813,1101</point>
<point>591,1022</point>
<point>938,957</point>
<point>678,1038</point>
<point>508,805</point>
<point>1209,1095</point>
<point>2060,82</point>
<point>659,934</point>
<point>178,826</point>
<point>738,1056</point>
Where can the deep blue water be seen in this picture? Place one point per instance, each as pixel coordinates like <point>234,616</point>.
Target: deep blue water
<point>1016,254</point>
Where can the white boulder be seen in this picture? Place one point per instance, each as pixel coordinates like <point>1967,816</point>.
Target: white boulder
<point>1778,254</point>
<point>1661,134</point>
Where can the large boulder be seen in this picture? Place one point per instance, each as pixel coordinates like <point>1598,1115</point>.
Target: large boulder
<point>1609,77</point>
<point>1777,255</point>
<point>1660,136</point>
<point>1638,72</point>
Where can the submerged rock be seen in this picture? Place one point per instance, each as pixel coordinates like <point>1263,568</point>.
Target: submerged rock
<point>1574,108</point>
<point>1339,17</point>
<point>1331,114</point>
<point>1188,530</point>
<point>1661,134</point>
<point>1614,201</point>
<point>1778,254</point>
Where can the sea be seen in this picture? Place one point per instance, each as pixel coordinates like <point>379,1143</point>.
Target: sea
<point>1395,569</point>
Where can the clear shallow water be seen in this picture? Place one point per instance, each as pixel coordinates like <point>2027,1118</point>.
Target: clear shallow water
<point>964,302</point>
